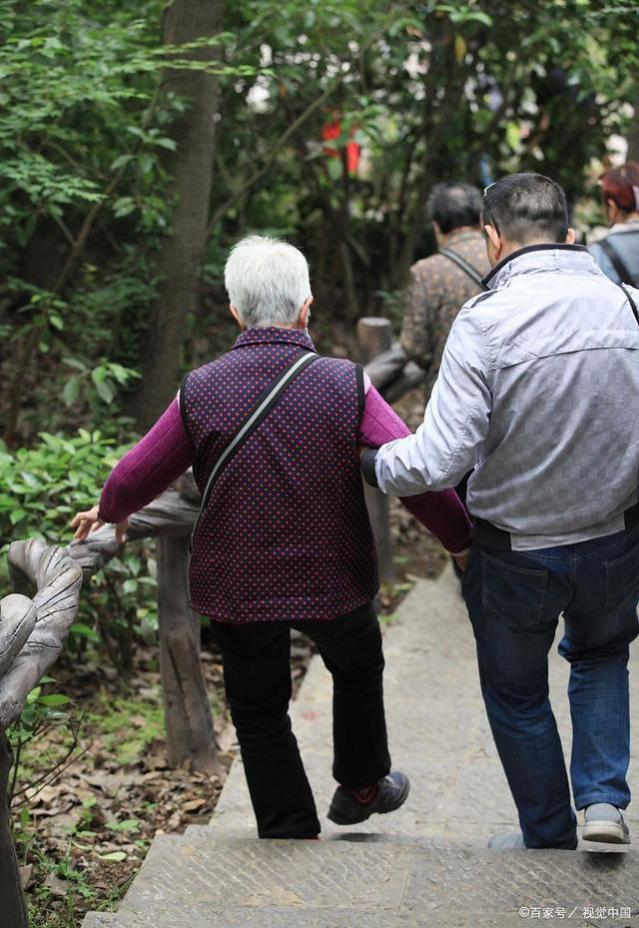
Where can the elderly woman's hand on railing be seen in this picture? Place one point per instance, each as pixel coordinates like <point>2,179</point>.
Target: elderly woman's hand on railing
<point>89,521</point>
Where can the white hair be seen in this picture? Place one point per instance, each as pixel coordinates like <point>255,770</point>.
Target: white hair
<point>267,281</point>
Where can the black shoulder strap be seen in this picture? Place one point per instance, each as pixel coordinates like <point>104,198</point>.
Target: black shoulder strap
<point>457,259</point>
<point>633,305</point>
<point>616,260</point>
<point>258,414</point>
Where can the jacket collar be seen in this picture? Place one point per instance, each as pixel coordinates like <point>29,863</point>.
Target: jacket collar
<point>272,335</point>
<point>631,225</point>
<point>546,257</point>
<point>465,236</point>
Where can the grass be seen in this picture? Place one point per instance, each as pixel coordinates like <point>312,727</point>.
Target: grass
<point>127,726</point>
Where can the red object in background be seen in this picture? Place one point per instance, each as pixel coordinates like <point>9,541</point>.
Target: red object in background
<point>333,130</point>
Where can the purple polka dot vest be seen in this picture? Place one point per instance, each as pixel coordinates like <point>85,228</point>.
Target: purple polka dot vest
<point>285,535</point>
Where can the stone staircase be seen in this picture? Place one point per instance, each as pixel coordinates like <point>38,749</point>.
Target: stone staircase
<point>425,865</point>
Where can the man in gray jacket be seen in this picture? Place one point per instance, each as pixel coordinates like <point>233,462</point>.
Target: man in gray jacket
<point>538,394</point>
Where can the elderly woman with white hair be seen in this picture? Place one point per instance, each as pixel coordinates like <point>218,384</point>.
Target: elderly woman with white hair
<point>283,540</point>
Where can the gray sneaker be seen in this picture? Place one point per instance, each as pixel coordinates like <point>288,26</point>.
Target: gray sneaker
<point>604,822</point>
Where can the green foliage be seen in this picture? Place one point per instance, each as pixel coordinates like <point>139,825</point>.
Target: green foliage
<point>41,489</point>
<point>432,91</point>
<point>44,486</point>
<point>39,712</point>
<point>85,154</point>
<point>127,741</point>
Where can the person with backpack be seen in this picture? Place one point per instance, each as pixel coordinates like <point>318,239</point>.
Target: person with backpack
<point>283,540</point>
<point>538,393</point>
<point>618,252</point>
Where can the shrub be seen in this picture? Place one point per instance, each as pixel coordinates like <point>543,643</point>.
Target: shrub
<point>41,488</point>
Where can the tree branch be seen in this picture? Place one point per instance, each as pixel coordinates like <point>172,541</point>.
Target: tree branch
<point>281,142</point>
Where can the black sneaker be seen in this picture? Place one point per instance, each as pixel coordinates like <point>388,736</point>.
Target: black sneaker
<point>347,809</point>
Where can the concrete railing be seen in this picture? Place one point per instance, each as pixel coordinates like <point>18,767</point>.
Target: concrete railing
<point>32,631</point>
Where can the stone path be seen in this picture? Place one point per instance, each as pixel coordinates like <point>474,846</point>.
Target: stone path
<point>426,865</point>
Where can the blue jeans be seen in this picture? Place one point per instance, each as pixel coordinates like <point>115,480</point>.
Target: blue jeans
<point>514,600</point>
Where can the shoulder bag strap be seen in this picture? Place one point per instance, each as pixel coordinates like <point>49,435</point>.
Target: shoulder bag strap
<point>633,305</point>
<point>616,260</point>
<point>457,259</point>
<point>255,418</point>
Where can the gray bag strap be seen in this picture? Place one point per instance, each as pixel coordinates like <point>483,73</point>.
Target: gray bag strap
<point>457,259</point>
<point>616,260</point>
<point>633,305</point>
<point>258,414</point>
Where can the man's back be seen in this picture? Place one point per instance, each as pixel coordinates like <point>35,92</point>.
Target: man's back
<point>438,289</point>
<point>561,454</point>
<point>538,394</point>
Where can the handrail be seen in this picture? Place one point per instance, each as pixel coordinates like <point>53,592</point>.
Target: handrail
<point>32,630</point>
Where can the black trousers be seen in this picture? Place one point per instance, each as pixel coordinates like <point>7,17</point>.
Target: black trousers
<point>257,677</point>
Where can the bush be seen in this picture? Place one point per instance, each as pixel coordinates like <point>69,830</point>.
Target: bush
<point>41,488</point>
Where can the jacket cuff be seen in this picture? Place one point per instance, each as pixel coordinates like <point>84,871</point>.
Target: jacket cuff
<point>368,466</point>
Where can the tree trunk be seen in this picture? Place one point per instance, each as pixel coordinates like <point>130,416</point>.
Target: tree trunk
<point>191,167</point>
<point>13,907</point>
<point>189,725</point>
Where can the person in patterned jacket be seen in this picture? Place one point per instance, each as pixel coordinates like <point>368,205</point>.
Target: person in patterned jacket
<point>441,284</point>
<point>283,540</point>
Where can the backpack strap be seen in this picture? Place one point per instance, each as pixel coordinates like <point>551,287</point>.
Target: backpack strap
<point>616,260</point>
<point>457,259</point>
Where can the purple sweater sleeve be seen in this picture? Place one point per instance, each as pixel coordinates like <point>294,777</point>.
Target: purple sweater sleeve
<point>149,468</point>
<point>441,513</point>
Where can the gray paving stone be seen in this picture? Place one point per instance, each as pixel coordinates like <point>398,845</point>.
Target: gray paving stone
<point>102,920</point>
<point>274,917</point>
<point>493,883</point>
<point>268,917</point>
<point>464,920</point>
<point>253,874</point>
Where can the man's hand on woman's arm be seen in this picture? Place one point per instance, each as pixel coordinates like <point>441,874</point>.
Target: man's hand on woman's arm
<point>443,513</point>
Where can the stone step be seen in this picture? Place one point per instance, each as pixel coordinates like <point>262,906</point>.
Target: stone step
<point>200,881</point>
<point>103,920</point>
<point>425,865</point>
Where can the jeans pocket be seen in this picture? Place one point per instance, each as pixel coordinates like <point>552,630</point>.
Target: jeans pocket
<point>516,595</point>
<point>622,579</point>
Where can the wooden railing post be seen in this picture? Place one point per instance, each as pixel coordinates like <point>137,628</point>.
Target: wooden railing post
<point>13,907</point>
<point>169,519</point>
<point>189,723</point>
<point>375,336</point>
